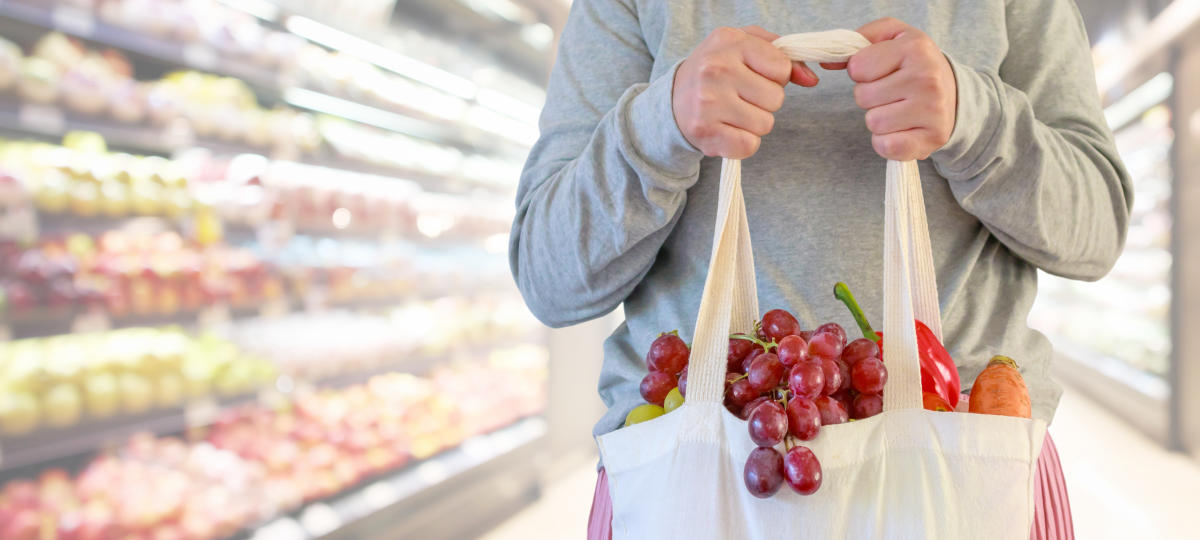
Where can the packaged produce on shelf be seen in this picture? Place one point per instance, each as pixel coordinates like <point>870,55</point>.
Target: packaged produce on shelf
<point>256,462</point>
<point>129,272</point>
<point>59,381</point>
<point>83,179</point>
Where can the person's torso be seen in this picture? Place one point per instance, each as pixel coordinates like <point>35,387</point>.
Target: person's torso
<point>814,195</point>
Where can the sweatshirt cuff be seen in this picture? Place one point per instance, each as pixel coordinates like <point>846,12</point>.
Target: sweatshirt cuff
<point>654,135</point>
<point>977,118</point>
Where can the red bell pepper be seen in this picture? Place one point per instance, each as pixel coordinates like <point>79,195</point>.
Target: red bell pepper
<point>939,374</point>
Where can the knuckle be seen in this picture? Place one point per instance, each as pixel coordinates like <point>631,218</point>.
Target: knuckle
<point>766,124</point>
<point>862,95</point>
<point>749,146</point>
<point>775,99</point>
<point>712,69</point>
<point>726,34</point>
<point>875,121</point>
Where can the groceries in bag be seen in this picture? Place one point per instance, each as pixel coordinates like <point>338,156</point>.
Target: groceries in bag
<point>786,383</point>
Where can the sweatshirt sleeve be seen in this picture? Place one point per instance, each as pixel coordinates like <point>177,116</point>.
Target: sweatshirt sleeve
<point>608,177</point>
<point>1031,155</point>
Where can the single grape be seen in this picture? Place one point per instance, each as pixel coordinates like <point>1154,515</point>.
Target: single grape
<point>673,400</point>
<point>667,354</point>
<point>792,350</point>
<point>832,327</point>
<point>778,324</point>
<point>806,380</point>
<point>832,410</point>
<point>764,472</point>
<point>749,359</point>
<point>655,386</point>
<point>742,393</point>
<point>765,372</point>
<point>744,413</point>
<point>844,369</point>
<point>803,418</point>
<point>642,413</point>
<point>846,397</point>
<point>833,376</point>
<point>825,345</point>
<point>768,423</point>
<point>683,382</point>
<point>802,470</point>
<point>733,409</point>
<point>738,349</point>
<point>868,375</point>
<point>859,349</point>
<point>866,406</point>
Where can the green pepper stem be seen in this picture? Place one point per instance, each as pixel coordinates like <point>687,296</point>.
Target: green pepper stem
<point>842,292</point>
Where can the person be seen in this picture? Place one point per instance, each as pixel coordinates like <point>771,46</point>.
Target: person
<point>996,99</point>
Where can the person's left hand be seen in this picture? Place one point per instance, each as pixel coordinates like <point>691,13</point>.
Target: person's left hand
<point>906,86</point>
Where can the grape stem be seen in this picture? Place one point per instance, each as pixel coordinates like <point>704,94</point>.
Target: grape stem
<point>842,292</point>
<point>767,346</point>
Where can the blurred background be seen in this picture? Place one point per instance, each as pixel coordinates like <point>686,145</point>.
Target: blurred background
<point>253,280</point>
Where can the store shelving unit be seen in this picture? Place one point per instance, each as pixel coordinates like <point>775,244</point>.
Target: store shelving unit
<point>424,497</point>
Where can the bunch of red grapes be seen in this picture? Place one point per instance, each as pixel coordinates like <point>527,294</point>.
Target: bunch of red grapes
<point>787,383</point>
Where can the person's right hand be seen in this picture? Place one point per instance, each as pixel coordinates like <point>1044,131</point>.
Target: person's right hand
<point>727,91</point>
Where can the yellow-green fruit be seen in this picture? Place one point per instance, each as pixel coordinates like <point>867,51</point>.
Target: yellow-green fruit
<point>673,400</point>
<point>62,405</point>
<point>101,394</point>
<point>643,413</point>
<point>18,412</point>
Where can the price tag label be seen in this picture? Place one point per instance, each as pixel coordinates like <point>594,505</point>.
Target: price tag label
<point>91,321</point>
<point>73,20</point>
<point>200,56</point>
<point>201,412</point>
<point>215,316</point>
<point>44,118</point>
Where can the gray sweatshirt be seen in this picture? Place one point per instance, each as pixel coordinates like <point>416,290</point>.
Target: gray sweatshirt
<point>615,206</point>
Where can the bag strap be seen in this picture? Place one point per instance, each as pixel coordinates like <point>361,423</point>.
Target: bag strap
<point>729,303</point>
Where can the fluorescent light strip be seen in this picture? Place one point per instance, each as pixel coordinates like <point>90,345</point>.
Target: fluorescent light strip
<point>315,101</point>
<point>1133,104</point>
<point>508,106</point>
<point>381,56</point>
<point>259,8</point>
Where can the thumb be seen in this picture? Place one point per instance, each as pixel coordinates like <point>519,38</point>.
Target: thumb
<point>801,74</point>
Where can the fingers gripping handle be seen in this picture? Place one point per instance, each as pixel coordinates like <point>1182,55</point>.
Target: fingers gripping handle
<point>729,302</point>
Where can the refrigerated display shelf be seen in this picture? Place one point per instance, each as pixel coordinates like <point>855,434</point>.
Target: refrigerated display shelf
<point>426,498</point>
<point>52,122</point>
<point>50,321</point>
<point>51,444</point>
<point>84,25</point>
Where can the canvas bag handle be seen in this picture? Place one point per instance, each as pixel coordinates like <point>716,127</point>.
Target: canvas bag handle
<point>729,303</point>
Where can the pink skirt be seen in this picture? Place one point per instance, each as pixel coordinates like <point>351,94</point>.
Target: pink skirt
<point>1051,518</point>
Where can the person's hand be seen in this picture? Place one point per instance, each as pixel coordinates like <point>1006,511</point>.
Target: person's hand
<point>727,91</point>
<point>906,86</point>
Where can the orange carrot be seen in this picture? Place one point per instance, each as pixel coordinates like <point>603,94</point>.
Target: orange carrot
<point>1000,390</point>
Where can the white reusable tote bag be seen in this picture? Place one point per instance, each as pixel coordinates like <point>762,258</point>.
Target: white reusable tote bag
<point>905,473</point>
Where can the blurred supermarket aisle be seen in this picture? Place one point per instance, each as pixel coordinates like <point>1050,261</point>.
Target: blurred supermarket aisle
<point>1122,485</point>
